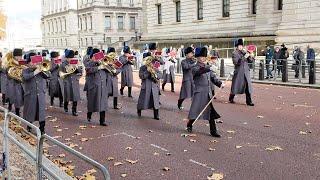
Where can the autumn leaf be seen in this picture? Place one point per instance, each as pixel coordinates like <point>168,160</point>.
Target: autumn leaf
<point>72,145</point>
<point>93,126</point>
<point>117,163</point>
<point>110,158</point>
<point>303,133</point>
<point>156,154</point>
<point>59,130</point>
<point>260,117</point>
<point>131,161</point>
<point>129,148</point>
<point>215,176</point>
<point>62,155</point>
<point>77,134</point>
<point>238,147</point>
<point>211,149</point>
<point>84,139</point>
<point>166,169</point>
<point>193,140</point>
<point>213,141</point>
<point>56,126</point>
<point>123,175</point>
<point>274,148</point>
<point>68,139</point>
<point>91,171</point>
<point>53,120</point>
<point>267,125</point>
<point>168,154</point>
<point>56,137</point>
<point>150,131</point>
<point>231,131</point>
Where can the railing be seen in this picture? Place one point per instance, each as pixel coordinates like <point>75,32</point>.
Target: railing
<point>37,155</point>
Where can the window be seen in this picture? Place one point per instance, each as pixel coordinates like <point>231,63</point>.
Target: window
<point>178,11</point>
<point>254,7</point>
<point>131,3</point>
<point>119,2</point>
<point>108,40</point>
<point>280,4</point>
<point>90,22</point>
<point>121,39</point>
<point>85,23</point>
<point>107,22</point>
<point>106,2</point>
<point>225,8</point>
<point>91,41</point>
<point>200,9</point>
<point>159,13</point>
<point>132,23</point>
<point>86,41</point>
<point>65,25</point>
<point>80,23</point>
<point>120,22</point>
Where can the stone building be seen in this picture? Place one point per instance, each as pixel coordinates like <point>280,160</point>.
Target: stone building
<point>220,22</point>
<point>81,23</point>
<point>3,21</point>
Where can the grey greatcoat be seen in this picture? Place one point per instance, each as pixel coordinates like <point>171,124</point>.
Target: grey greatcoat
<point>71,84</point>
<point>15,92</point>
<point>97,94</point>
<point>112,84</point>
<point>54,85</point>
<point>34,96</point>
<point>86,59</point>
<point>149,95</point>
<point>203,77</point>
<point>169,77</point>
<point>126,72</point>
<point>4,81</point>
<point>187,86</point>
<point>241,77</point>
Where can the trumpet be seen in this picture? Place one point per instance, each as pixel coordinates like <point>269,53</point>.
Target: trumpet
<point>45,67</point>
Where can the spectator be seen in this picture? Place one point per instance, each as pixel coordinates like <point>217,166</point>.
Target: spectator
<point>284,54</point>
<point>214,52</point>
<point>298,56</point>
<point>269,56</point>
<point>277,60</point>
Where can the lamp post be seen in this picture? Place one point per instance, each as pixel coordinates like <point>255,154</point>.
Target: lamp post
<point>79,44</point>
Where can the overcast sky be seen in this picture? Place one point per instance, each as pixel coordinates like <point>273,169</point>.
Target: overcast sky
<point>23,19</point>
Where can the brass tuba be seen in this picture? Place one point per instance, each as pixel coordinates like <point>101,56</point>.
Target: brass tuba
<point>108,63</point>
<point>14,69</point>
<point>70,69</point>
<point>148,63</point>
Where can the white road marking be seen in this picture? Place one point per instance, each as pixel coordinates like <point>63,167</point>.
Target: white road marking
<point>161,148</point>
<point>201,164</point>
<point>131,136</point>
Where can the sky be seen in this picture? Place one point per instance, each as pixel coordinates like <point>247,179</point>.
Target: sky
<point>24,18</point>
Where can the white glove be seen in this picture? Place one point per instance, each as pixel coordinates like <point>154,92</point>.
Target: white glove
<point>247,55</point>
<point>213,68</point>
<point>222,85</point>
<point>37,71</point>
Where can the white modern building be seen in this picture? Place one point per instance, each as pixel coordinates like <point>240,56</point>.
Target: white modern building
<point>220,22</point>
<point>82,23</point>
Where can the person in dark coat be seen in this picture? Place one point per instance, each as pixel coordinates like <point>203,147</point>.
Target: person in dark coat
<point>86,59</point>
<point>112,83</point>
<point>277,60</point>
<point>241,81</point>
<point>71,83</point>
<point>298,56</point>
<point>149,97</point>
<point>126,71</point>
<point>15,89</point>
<point>54,85</point>
<point>34,96</point>
<point>203,77</point>
<point>269,56</point>
<point>168,72</point>
<point>4,81</point>
<point>187,86</point>
<point>97,94</point>
<point>284,55</point>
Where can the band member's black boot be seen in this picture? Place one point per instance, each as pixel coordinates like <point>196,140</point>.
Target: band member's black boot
<point>4,100</point>
<point>163,86</point>
<point>249,100</point>
<point>139,112</point>
<point>17,111</point>
<point>115,103</point>
<point>156,114</point>
<point>89,115</point>
<point>231,98</point>
<point>103,118</point>
<point>189,125</point>
<point>172,87</point>
<point>51,101</point>
<point>180,101</point>
<point>10,107</point>
<point>121,91</point>
<point>65,106</point>
<point>213,129</point>
<point>74,108</point>
<point>42,124</point>
<point>130,92</point>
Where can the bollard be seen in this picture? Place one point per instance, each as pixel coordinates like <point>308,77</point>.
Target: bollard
<point>312,72</point>
<point>222,73</point>
<point>261,71</point>
<point>284,70</point>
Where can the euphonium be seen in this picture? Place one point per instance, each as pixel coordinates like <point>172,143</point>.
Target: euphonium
<point>14,69</point>
<point>148,63</point>
<point>70,69</point>
<point>108,63</point>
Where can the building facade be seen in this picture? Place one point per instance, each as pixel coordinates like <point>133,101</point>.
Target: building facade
<point>3,20</point>
<point>82,23</point>
<point>220,22</point>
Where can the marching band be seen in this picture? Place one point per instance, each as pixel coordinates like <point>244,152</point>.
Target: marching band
<point>24,78</point>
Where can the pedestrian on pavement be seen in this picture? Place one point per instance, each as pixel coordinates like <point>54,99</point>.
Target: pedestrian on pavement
<point>300,63</point>
<point>55,90</point>
<point>97,94</point>
<point>311,55</point>
<point>149,97</point>
<point>284,55</point>
<point>34,81</point>
<point>241,81</point>
<point>277,60</point>
<point>112,79</point>
<point>126,71</point>
<point>15,89</point>
<point>269,56</point>
<point>203,75</point>
<point>71,81</point>
<point>169,68</point>
<point>187,87</point>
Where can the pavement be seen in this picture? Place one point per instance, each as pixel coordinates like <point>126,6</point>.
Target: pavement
<point>276,139</point>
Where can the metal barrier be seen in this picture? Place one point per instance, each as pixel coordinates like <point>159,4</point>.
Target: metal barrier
<point>37,156</point>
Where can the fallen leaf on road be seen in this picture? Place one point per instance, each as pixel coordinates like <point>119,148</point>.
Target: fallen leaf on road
<point>219,121</point>
<point>80,148</point>
<point>308,123</point>
<point>53,120</point>
<point>56,126</point>
<point>68,139</point>
<point>123,175</point>
<point>72,145</point>
<point>215,176</point>
<point>48,117</point>
<point>93,126</point>
<point>188,135</point>
<point>168,154</point>
<point>238,147</point>
<point>211,149</point>
<point>129,148</point>
<point>150,131</point>
<point>185,150</point>
<point>193,140</point>
<point>303,133</point>
<point>166,169</point>
<point>84,139</point>
<point>117,163</point>
<point>213,141</point>
<point>131,161</point>
<point>156,154</point>
<point>62,155</point>
<point>260,117</point>
<point>59,130</point>
<point>82,127</point>
<point>280,97</point>
<point>274,148</point>
<point>77,134</point>
<point>231,131</point>
<point>91,171</point>
<point>66,128</point>
<point>267,125</point>
<point>110,158</point>
<point>56,137</point>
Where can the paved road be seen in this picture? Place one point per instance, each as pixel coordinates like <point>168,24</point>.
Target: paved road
<point>287,118</point>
